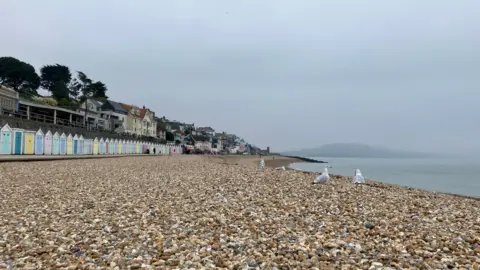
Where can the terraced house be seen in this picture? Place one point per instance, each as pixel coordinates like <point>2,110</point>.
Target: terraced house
<point>140,121</point>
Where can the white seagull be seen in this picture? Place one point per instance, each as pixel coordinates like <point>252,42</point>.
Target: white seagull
<point>358,177</point>
<point>323,178</point>
<point>280,168</point>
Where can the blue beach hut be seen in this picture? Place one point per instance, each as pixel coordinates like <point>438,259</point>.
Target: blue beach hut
<point>63,144</point>
<point>75,144</point>
<point>81,143</point>
<point>6,139</point>
<point>39,142</point>
<point>17,141</point>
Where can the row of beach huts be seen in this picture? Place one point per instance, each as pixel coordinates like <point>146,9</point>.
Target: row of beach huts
<point>14,141</point>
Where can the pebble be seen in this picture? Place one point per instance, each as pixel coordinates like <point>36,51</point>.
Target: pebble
<point>199,212</point>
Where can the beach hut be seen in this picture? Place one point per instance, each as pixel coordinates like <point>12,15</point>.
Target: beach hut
<point>6,138</point>
<point>63,144</point>
<point>17,142</point>
<point>56,144</point>
<point>95,146</point>
<point>107,144</point>
<point>137,147</point>
<point>124,147</point>
<point>132,147</point>
<point>81,145</point>
<point>28,142</point>
<point>39,140</point>
<point>101,146</point>
<point>119,147</point>
<point>47,144</point>
<point>114,146</point>
<point>87,146</point>
<point>75,144</point>
<point>69,144</point>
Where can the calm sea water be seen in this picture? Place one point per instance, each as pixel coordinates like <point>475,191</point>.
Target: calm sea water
<point>458,176</point>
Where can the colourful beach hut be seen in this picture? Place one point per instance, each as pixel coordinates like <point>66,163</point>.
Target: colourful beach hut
<point>63,144</point>
<point>137,147</point>
<point>81,145</point>
<point>101,146</point>
<point>119,146</point>
<point>75,144</point>
<point>47,144</point>
<point>70,144</point>
<point>56,144</point>
<point>131,145</point>
<point>17,141</point>
<point>95,146</point>
<point>87,146</point>
<point>29,142</point>
<point>107,144</point>
<point>6,138</point>
<point>124,147</point>
<point>39,140</point>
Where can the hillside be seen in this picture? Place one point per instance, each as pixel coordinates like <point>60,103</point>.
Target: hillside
<point>354,150</point>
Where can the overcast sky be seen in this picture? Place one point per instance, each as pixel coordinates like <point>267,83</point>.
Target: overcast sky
<point>288,74</point>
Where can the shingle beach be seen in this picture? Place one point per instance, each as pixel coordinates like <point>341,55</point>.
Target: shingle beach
<point>194,212</point>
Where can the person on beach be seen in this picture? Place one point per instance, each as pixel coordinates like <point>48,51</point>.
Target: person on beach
<point>262,163</point>
<point>358,177</point>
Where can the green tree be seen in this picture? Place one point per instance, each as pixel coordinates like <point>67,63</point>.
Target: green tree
<point>87,88</point>
<point>169,136</point>
<point>19,75</point>
<point>56,79</point>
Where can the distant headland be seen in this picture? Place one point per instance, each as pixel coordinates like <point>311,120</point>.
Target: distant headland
<point>356,150</point>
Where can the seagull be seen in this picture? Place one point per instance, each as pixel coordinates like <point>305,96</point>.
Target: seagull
<point>280,168</point>
<point>358,178</point>
<point>323,178</point>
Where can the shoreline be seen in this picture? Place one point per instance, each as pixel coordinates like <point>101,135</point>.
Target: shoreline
<point>383,183</point>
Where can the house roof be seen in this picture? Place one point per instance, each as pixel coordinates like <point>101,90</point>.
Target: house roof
<point>207,129</point>
<point>134,110</point>
<point>96,103</point>
<point>116,106</point>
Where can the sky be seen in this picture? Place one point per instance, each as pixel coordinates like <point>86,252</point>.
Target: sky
<point>285,74</point>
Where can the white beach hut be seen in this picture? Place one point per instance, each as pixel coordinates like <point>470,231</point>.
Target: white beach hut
<point>47,144</point>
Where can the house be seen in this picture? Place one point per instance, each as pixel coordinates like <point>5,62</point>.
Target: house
<point>140,121</point>
<point>206,131</point>
<point>202,142</point>
<point>92,109</point>
<point>8,99</point>
<point>178,136</point>
<point>115,114</point>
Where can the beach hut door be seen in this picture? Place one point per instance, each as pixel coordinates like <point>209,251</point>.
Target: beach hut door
<point>18,143</point>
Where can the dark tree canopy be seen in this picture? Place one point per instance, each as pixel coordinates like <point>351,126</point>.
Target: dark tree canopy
<point>87,88</point>
<point>56,79</point>
<point>18,75</point>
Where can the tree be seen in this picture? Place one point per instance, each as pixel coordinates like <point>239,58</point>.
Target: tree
<point>169,136</point>
<point>56,79</point>
<point>19,75</point>
<point>87,88</point>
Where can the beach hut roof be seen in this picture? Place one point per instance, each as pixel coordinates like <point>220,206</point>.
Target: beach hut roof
<point>75,137</point>
<point>56,134</point>
<point>49,133</point>
<point>101,139</point>
<point>70,135</point>
<point>96,139</point>
<point>81,137</point>
<point>63,135</point>
<point>107,140</point>
<point>6,127</point>
<point>40,132</point>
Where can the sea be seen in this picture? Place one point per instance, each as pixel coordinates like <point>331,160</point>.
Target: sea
<point>457,176</point>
